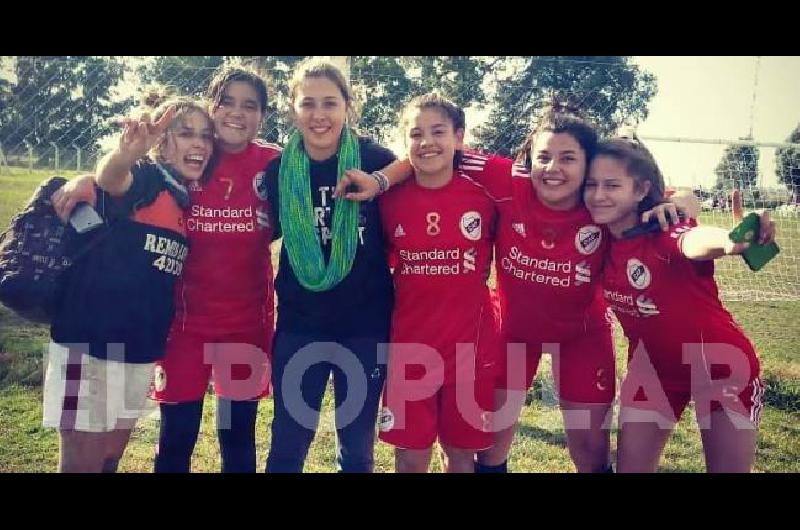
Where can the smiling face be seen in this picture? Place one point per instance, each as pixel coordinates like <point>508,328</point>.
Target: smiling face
<point>188,144</point>
<point>431,143</point>
<point>612,195</point>
<point>320,113</point>
<point>237,117</point>
<point>558,167</point>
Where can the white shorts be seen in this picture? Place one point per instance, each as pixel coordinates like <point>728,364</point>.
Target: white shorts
<point>86,394</point>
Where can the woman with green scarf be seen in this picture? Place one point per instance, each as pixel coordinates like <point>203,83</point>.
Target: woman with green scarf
<point>333,285</point>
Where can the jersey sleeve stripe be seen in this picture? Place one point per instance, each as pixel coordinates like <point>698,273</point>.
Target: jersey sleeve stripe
<point>483,188</point>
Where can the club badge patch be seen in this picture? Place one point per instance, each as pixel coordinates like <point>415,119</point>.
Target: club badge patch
<point>471,225</point>
<point>638,274</point>
<point>588,239</point>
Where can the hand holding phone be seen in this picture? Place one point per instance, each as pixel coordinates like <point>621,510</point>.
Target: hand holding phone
<point>84,218</point>
<point>756,255</point>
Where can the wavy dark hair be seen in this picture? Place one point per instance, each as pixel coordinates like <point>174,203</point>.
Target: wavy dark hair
<point>228,74</point>
<point>561,115</point>
<point>450,110</point>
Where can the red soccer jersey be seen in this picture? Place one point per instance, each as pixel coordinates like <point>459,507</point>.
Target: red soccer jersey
<point>440,245</point>
<point>227,283</point>
<point>665,300</point>
<point>548,262</point>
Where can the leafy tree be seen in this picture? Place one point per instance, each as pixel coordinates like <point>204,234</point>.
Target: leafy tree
<point>738,167</point>
<point>787,164</point>
<point>63,100</point>
<point>610,90</point>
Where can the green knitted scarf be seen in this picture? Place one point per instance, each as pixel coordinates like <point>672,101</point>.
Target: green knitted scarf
<point>297,216</point>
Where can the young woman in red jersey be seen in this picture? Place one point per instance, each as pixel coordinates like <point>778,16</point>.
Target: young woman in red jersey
<point>225,311</point>
<point>683,344</point>
<point>439,227</point>
<point>548,255</point>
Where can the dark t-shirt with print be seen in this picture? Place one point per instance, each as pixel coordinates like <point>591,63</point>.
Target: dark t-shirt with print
<point>118,298</point>
<point>361,304</point>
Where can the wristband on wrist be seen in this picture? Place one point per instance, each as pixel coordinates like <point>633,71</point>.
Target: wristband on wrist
<point>382,180</point>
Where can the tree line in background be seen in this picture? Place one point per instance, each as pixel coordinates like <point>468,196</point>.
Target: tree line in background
<point>73,100</point>
<point>738,166</point>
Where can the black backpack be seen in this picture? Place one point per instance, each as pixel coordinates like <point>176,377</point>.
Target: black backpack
<point>34,252</point>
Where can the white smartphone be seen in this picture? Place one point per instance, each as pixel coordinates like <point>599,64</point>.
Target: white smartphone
<point>84,218</point>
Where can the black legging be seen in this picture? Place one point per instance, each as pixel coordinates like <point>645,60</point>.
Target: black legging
<point>180,425</point>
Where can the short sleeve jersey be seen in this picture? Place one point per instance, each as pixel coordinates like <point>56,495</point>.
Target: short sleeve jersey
<point>548,262</point>
<point>118,298</point>
<point>440,244</point>
<point>227,284</point>
<point>665,300</point>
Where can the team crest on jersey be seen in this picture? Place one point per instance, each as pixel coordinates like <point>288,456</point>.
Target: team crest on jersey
<point>160,378</point>
<point>471,225</point>
<point>385,420</point>
<point>260,185</point>
<point>399,232</point>
<point>638,274</point>
<point>519,228</point>
<point>588,239</point>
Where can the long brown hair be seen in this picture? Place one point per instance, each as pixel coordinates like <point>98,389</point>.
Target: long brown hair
<point>560,115</point>
<point>228,74</point>
<point>450,110</point>
<point>318,68</point>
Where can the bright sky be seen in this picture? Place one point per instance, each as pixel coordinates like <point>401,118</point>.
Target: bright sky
<point>712,98</point>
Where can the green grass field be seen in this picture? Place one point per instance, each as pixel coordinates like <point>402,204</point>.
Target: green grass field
<point>540,446</point>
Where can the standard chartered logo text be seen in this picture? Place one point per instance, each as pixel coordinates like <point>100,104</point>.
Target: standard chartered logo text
<point>546,271</point>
